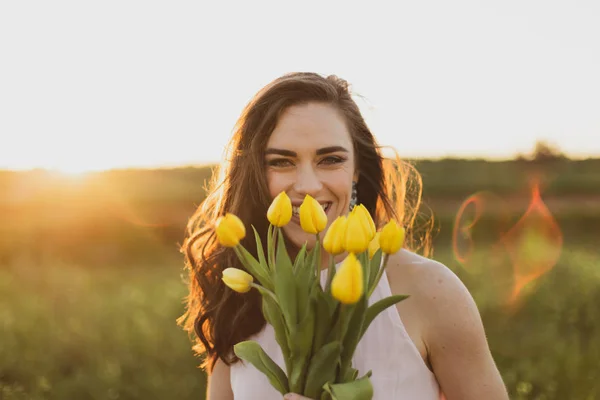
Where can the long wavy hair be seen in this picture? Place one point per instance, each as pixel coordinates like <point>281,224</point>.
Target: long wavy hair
<point>216,317</point>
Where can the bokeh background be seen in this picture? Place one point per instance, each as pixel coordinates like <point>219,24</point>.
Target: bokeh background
<point>112,116</point>
<point>91,281</point>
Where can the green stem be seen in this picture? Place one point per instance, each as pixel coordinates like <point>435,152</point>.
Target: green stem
<point>242,258</point>
<point>363,258</point>
<point>264,290</point>
<point>345,314</point>
<point>330,273</point>
<point>379,274</point>
<point>273,232</point>
<point>317,257</point>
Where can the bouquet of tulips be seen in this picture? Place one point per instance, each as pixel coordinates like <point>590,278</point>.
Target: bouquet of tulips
<point>317,328</point>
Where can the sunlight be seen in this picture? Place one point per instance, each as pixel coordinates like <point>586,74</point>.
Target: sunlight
<point>76,169</point>
<point>73,172</point>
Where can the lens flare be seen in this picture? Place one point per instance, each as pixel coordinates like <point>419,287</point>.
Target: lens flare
<point>533,244</point>
<point>481,219</point>
<point>513,255</point>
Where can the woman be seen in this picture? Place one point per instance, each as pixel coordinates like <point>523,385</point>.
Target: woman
<point>304,134</point>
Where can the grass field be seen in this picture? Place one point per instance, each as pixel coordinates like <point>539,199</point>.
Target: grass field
<point>91,281</point>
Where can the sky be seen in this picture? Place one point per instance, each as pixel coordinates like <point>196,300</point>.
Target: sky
<point>113,84</point>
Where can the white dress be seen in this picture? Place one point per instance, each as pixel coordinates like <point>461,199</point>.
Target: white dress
<point>399,371</point>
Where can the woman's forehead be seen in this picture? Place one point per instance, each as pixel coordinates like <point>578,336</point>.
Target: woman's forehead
<point>310,127</point>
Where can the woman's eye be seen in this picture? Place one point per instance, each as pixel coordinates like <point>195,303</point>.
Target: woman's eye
<point>279,162</point>
<point>332,160</point>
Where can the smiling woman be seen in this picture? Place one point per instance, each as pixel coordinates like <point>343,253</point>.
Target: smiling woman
<point>311,152</point>
<point>304,135</point>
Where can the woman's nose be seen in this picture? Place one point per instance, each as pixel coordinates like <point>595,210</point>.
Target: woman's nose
<point>307,181</point>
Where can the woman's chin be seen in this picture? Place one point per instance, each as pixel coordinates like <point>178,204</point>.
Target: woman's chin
<point>298,237</point>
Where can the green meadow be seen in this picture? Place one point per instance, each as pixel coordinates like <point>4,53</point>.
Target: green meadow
<point>92,282</point>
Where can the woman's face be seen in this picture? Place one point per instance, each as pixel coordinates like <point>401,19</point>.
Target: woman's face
<point>311,152</point>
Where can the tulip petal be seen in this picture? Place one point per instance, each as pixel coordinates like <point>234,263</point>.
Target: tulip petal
<point>367,219</point>
<point>237,280</point>
<point>347,284</point>
<point>306,219</point>
<point>230,230</point>
<point>334,239</point>
<point>374,245</point>
<point>313,218</point>
<point>280,210</point>
<point>358,234</point>
<point>392,237</point>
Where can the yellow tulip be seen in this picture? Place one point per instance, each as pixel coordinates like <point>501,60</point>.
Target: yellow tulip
<point>392,237</point>
<point>237,279</point>
<point>280,211</point>
<point>368,220</point>
<point>347,284</point>
<point>334,239</point>
<point>374,245</point>
<point>230,230</point>
<point>358,233</point>
<point>312,216</point>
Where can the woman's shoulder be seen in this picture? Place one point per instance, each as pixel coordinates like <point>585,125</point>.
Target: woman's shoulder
<point>416,271</point>
<point>434,288</point>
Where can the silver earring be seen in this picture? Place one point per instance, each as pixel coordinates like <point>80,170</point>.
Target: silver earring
<point>354,197</point>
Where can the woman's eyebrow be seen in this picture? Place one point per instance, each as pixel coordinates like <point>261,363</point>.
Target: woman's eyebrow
<point>281,152</point>
<point>289,153</point>
<point>331,149</point>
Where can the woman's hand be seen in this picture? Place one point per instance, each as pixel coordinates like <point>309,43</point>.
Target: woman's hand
<point>294,396</point>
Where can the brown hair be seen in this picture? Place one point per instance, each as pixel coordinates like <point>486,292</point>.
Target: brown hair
<point>389,188</point>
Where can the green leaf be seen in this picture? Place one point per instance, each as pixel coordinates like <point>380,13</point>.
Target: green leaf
<point>340,317</point>
<point>303,282</point>
<point>374,266</point>
<point>300,258</point>
<point>322,368</point>
<point>325,395</point>
<point>324,311</point>
<point>310,258</point>
<point>274,316</point>
<point>254,267</point>
<point>378,307</point>
<point>251,352</point>
<point>259,249</point>
<point>284,284</point>
<point>330,274</point>
<point>364,262</point>
<point>353,333</point>
<point>360,389</point>
<point>306,284</point>
<point>302,340</point>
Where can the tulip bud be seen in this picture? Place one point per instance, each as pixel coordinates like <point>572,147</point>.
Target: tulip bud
<point>312,216</point>
<point>358,232</point>
<point>237,279</point>
<point>230,230</point>
<point>392,237</point>
<point>368,220</point>
<point>374,245</point>
<point>280,211</point>
<point>335,237</point>
<point>347,284</point>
